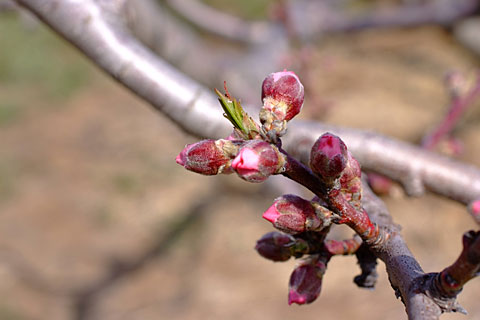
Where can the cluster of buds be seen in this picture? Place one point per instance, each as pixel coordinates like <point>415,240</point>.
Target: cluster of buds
<point>252,160</point>
<point>253,156</point>
<point>254,153</point>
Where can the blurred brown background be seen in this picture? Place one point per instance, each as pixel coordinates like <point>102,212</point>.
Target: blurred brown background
<point>90,191</point>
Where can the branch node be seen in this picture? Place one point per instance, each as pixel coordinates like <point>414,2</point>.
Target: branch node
<point>433,290</point>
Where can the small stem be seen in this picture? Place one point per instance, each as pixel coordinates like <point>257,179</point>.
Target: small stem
<point>452,279</point>
<point>457,108</point>
<point>357,219</point>
<point>299,173</point>
<point>367,261</point>
<point>344,247</point>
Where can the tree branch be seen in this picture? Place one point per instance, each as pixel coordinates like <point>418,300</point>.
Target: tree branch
<point>313,18</point>
<point>220,23</point>
<point>402,267</point>
<point>162,32</point>
<point>99,34</point>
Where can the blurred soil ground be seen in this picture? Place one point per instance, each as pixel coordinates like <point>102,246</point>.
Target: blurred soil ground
<point>89,188</point>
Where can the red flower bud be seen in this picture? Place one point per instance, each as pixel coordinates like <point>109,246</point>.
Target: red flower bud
<point>329,156</point>
<point>292,214</point>
<point>276,246</point>
<point>306,282</point>
<point>257,160</point>
<point>283,94</point>
<point>208,157</point>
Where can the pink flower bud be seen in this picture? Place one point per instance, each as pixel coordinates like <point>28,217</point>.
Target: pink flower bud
<point>257,160</point>
<point>328,157</point>
<point>379,184</point>
<point>292,214</point>
<point>276,246</point>
<point>474,209</point>
<point>283,94</point>
<point>306,282</point>
<point>208,157</point>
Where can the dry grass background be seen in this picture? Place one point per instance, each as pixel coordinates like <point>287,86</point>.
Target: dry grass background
<point>88,180</point>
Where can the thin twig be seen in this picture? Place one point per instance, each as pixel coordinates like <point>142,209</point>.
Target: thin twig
<point>460,103</point>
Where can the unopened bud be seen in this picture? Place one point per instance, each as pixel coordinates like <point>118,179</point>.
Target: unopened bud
<point>474,209</point>
<point>208,157</point>
<point>379,184</point>
<point>328,157</point>
<point>257,160</point>
<point>306,282</point>
<point>292,214</point>
<point>282,94</point>
<point>350,181</point>
<point>276,246</point>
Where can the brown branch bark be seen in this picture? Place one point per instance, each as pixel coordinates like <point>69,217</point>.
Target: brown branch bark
<point>403,269</point>
<point>451,280</point>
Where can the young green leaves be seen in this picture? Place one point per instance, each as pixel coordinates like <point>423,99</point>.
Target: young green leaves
<point>244,125</point>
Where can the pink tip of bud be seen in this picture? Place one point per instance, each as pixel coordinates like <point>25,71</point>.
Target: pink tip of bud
<point>247,162</point>
<point>180,159</point>
<point>295,297</point>
<point>331,145</point>
<point>329,156</point>
<point>278,75</point>
<point>306,282</point>
<point>271,214</point>
<point>285,94</point>
<point>474,209</point>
